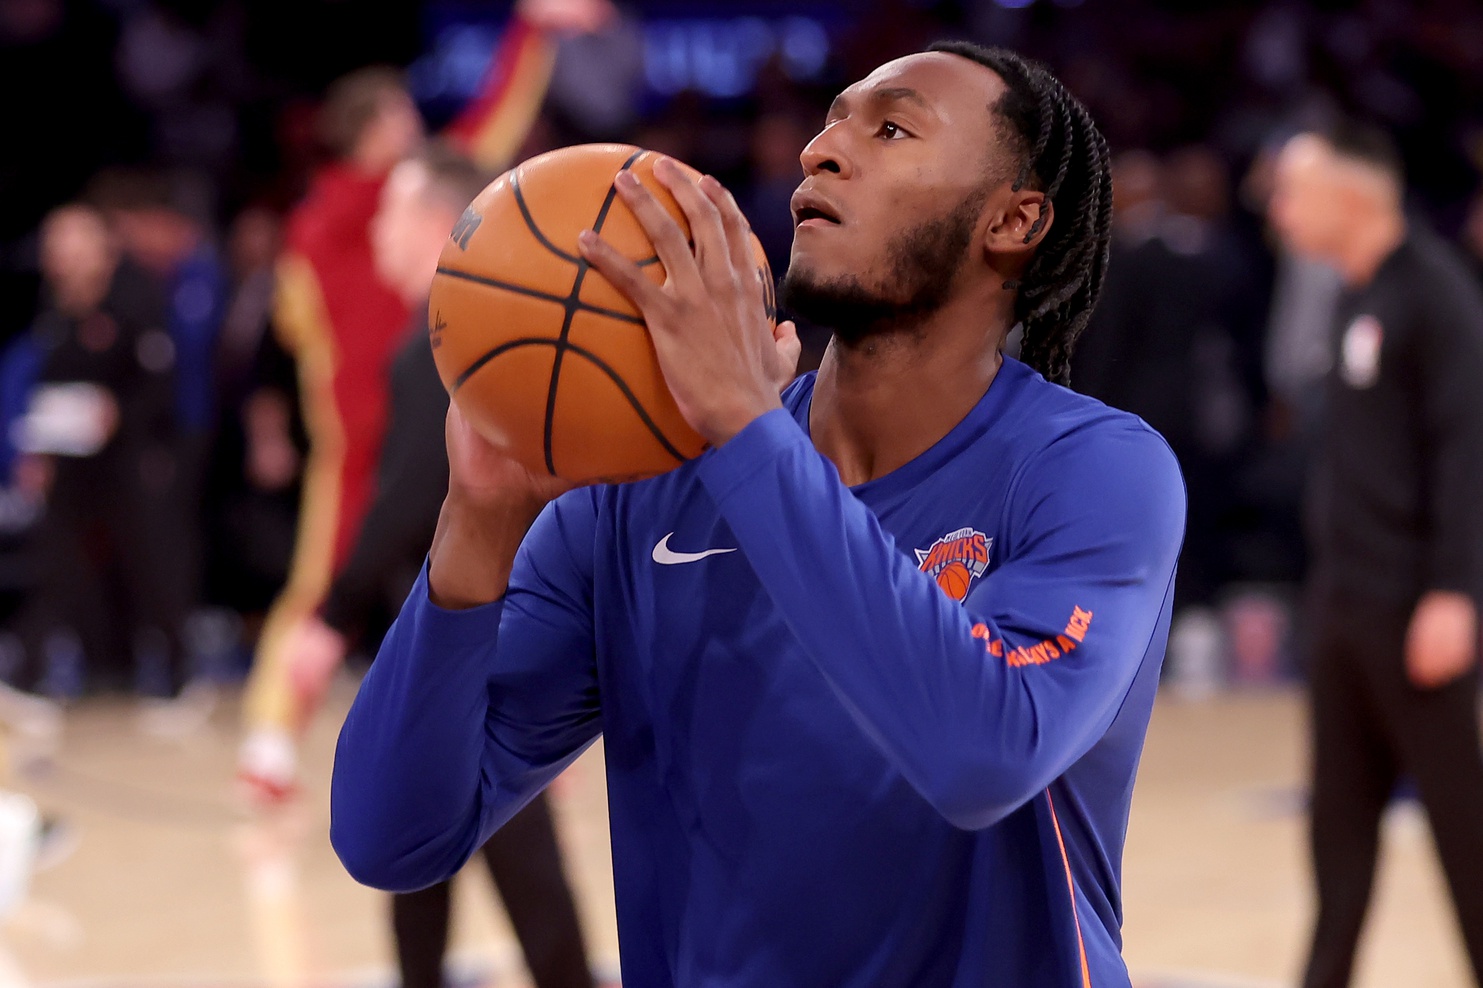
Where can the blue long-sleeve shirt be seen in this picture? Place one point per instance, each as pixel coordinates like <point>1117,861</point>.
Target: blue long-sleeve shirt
<point>823,768</point>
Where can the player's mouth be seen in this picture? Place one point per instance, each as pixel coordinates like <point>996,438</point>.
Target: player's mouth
<point>812,210</point>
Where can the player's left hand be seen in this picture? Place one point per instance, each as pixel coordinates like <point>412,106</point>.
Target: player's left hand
<point>724,361</point>
<point>1442,641</point>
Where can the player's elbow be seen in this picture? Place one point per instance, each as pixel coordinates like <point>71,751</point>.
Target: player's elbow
<point>367,859</point>
<point>973,795</point>
<point>374,861</point>
<point>366,865</point>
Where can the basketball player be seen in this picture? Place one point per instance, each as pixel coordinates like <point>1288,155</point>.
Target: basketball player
<point>873,672</point>
<point>1394,527</point>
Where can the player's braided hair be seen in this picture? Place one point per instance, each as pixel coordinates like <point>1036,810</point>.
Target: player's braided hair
<point>1063,154</point>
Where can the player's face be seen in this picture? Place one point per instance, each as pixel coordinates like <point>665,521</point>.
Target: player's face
<point>894,189</point>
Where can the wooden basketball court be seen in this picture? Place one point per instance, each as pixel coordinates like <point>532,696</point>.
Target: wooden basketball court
<point>172,883</point>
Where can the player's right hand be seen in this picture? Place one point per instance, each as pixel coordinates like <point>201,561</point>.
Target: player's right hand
<point>492,502</point>
<point>481,474</point>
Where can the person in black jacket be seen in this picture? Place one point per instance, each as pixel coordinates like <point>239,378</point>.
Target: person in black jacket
<point>101,417</point>
<point>1395,500</point>
<point>419,204</point>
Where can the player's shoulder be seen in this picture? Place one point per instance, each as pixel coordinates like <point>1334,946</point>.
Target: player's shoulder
<point>1045,413</point>
<point>1056,429</point>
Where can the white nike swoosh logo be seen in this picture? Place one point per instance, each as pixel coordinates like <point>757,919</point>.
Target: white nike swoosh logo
<point>666,556</point>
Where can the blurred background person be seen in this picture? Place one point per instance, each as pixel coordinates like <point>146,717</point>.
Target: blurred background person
<point>256,457</point>
<point>1176,339</point>
<point>341,322</point>
<point>1297,356</point>
<point>1394,520</point>
<point>165,223</point>
<point>109,583</point>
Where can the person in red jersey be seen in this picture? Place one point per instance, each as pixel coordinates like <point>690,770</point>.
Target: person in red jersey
<point>342,324</point>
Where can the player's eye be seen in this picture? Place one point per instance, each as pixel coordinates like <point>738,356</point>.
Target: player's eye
<point>891,130</point>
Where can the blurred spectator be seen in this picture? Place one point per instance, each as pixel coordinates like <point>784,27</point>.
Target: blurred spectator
<point>1137,212</point>
<point>253,245</point>
<point>1394,521</point>
<point>1175,340</point>
<point>55,135</point>
<point>1292,303</point>
<point>183,64</point>
<point>102,415</point>
<point>252,480</point>
<point>164,223</point>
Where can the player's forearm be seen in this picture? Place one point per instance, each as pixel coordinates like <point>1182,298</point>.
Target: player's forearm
<point>903,658</point>
<point>978,707</point>
<point>467,714</point>
<point>407,798</point>
<point>474,549</point>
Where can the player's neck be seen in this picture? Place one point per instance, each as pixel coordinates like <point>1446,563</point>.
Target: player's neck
<point>882,401</point>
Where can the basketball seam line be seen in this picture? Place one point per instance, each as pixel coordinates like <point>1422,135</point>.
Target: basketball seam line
<point>591,358</point>
<point>562,340</point>
<point>543,296</point>
<point>530,223</point>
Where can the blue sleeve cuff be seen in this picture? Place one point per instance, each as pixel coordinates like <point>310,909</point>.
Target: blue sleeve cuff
<point>725,469</point>
<point>470,626</point>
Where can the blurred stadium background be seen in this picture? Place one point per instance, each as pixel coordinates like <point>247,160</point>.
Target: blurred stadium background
<point>152,874</point>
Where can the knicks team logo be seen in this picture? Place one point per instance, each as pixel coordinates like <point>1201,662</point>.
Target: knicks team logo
<point>956,560</point>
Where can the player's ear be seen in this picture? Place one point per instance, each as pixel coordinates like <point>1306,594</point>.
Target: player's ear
<point>1015,228</point>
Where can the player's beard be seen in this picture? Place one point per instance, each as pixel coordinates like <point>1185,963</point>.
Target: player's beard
<point>922,262</point>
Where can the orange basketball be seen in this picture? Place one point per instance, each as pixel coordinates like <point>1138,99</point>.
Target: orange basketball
<point>543,356</point>
<point>954,580</point>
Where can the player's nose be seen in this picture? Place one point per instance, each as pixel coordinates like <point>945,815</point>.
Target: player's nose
<point>825,154</point>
